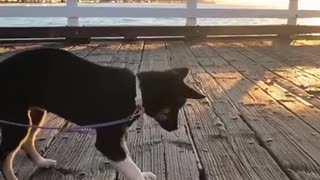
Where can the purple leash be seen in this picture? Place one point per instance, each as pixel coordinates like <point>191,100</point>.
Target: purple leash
<point>81,129</point>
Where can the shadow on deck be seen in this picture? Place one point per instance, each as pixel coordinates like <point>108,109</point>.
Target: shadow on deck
<point>260,119</point>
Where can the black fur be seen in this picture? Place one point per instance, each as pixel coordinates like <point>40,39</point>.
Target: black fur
<point>84,93</point>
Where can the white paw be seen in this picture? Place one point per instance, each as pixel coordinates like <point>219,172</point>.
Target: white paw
<point>46,163</point>
<point>149,176</point>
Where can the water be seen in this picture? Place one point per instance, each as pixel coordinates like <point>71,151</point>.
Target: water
<point>38,22</point>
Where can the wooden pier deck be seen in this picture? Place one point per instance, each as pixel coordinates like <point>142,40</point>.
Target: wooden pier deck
<point>260,121</point>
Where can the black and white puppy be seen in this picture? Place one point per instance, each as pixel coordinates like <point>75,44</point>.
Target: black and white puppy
<point>36,81</point>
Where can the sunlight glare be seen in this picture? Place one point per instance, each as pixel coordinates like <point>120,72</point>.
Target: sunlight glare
<point>306,43</point>
<point>277,4</point>
<point>309,4</point>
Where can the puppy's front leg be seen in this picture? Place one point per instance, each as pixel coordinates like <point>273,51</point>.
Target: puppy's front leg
<point>115,149</point>
<point>131,171</point>
<point>128,168</point>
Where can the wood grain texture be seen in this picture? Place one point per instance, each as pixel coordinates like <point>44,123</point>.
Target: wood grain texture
<point>291,57</point>
<point>284,75</point>
<point>168,155</point>
<point>223,140</point>
<point>259,120</point>
<point>293,87</point>
<point>287,138</point>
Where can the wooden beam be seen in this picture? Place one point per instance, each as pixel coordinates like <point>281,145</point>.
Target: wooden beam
<point>151,31</point>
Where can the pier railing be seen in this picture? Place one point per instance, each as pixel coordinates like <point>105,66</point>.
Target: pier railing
<point>73,11</point>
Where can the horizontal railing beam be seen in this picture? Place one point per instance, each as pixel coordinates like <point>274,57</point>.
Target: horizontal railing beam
<point>308,13</point>
<point>153,31</point>
<point>134,12</point>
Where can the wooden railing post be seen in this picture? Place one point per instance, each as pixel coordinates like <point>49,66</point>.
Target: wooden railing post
<point>191,6</point>
<point>72,4</point>
<point>293,12</point>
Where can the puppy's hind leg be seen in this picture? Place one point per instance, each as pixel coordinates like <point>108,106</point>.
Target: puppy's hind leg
<point>7,165</point>
<point>37,117</point>
<point>11,140</point>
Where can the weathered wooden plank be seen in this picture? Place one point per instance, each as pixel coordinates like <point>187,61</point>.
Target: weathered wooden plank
<point>255,73</point>
<point>128,55</point>
<point>223,140</point>
<point>308,46</point>
<point>179,155</point>
<point>313,49</point>
<point>168,155</point>
<point>131,57</point>
<point>301,103</point>
<point>155,57</point>
<point>179,57</point>
<point>287,138</point>
<point>217,129</point>
<point>212,150</point>
<point>145,139</point>
<point>290,56</point>
<point>295,55</point>
<point>84,50</point>
<point>294,79</point>
<point>105,52</point>
<point>288,76</point>
<point>294,98</point>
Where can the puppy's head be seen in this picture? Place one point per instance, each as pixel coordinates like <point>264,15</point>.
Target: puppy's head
<point>164,93</point>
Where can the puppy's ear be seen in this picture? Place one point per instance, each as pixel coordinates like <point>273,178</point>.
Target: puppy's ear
<point>189,93</point>
<point>182,72</point>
